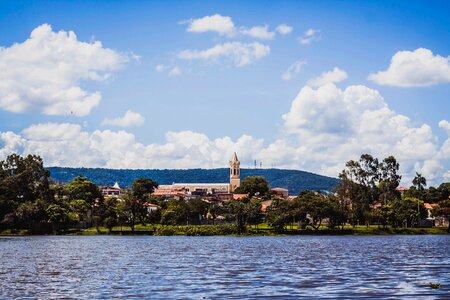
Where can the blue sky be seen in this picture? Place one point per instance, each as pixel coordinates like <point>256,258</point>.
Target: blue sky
<point>192,107</point>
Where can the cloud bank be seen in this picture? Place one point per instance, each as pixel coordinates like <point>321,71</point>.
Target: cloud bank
<point>324,127</point>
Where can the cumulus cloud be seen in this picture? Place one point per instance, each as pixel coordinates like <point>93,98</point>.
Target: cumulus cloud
<point>130,118</point>
<point>215,23</point>
<point>444,124</point>
<point>240,54</point>
<point>324,127</point>
<point>334,76</point>
<point>260,32</point>
<point>293,70</point>
<point>284,29</point>
<point>327,126</point>
<point>44,73</point>
<point>309,36</point>
<point>224,25</point>
<point>418,68</point>
<point>64,144</point>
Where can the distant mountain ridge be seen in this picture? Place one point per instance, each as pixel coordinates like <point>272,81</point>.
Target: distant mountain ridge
<point>294,180</point>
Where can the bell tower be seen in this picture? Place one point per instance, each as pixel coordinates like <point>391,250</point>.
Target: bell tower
<point>235,173</point>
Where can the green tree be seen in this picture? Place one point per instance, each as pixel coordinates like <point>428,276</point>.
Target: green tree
<point>443,210</point>
<point>197,210</point>
<point>405,212</point>
<point>23,181</point>
<point>177,212</point>
<point>254,186</point>
<point>58,216</point>
<point>82,188</point>
<point>316,206</point>
<point>111,214</point>
<point>389,180</point>
<point>143,186</point>
<point>444,189</point>
<point>279,214</point>
<point>419,182</point>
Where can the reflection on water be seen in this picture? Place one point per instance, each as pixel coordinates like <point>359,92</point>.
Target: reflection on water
<point>94,267</point>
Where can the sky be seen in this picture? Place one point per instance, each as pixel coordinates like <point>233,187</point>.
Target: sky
<point>304,85</point>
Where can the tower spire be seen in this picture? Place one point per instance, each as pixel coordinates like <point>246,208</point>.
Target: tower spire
<point>235,172</point>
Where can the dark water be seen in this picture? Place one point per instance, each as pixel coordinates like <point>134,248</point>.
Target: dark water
<point>103,267</point>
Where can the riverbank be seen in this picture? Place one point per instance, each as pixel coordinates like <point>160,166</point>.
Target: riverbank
<point>227,229</point>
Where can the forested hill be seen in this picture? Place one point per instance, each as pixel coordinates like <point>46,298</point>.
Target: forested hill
<point>294,180</point>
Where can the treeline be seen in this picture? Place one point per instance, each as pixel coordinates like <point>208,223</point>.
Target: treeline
<point>367,194</point>
<point>293,180</point>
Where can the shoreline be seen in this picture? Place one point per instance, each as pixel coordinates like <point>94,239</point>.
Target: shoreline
<point>230,230</point>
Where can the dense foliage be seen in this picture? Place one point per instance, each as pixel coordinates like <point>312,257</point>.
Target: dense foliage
<point>367,194</point>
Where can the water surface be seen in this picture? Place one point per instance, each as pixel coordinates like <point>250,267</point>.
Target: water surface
<point>103,267</point>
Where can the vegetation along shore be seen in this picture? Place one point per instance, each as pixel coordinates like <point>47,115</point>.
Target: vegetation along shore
<point>366,201</point>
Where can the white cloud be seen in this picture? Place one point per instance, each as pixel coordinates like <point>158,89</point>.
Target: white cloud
<point>309,36</point>
<point>284,29</point>
<point>444,124</point>
<point>68,145</point>
<point>44,73</point>
<point>130,118</point>
<point>175,71</point>
<point>334,76</point>
<point>293,69</point>
<point>160,68</point>
<point>325,127</point>
<point>328,126</point>
<point>260,32</point>
<point>172,71</point>
<point>240,54</point>
<point>224,25</point>
<point>216,23</point>
<point>418,68</point>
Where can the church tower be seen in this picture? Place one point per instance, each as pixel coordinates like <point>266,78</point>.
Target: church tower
<point>235,173</point>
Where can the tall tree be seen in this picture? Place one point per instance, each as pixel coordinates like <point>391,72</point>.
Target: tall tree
<point>23,182</point>
<point>419,182</point>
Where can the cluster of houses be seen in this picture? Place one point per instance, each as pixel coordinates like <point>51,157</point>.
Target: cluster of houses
<point>218,193</point>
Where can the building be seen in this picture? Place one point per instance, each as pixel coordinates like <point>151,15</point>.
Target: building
<point>114,190</point>
<point>283,193</point>
<point>202,189</point>
<point>402,189</point>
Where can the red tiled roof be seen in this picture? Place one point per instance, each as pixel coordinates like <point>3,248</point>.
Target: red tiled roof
<point>279,189</point>
<point>402,188</point>
<point>239,196</point>
<point>430,205</point>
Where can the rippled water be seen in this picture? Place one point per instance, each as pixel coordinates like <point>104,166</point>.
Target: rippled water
<point>105,267</point>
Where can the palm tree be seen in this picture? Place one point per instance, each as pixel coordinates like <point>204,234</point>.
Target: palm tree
<point>419,181</point>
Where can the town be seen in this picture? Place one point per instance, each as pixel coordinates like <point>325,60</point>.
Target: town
<point>369,202</point>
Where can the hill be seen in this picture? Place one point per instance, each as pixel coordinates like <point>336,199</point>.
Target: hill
<point>294,180</point>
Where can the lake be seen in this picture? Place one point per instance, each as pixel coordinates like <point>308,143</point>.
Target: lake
<point>151,267</point>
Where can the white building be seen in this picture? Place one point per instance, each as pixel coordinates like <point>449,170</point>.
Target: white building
<point>206,188</point>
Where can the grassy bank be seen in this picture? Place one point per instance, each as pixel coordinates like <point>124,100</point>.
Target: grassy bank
<point>228,229</point>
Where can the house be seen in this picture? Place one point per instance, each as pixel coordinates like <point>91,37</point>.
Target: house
<point>151,207</point>
<point>402,189</point>
<point>114,190</point>
<point>438,221</point>
<point>283,193</point>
